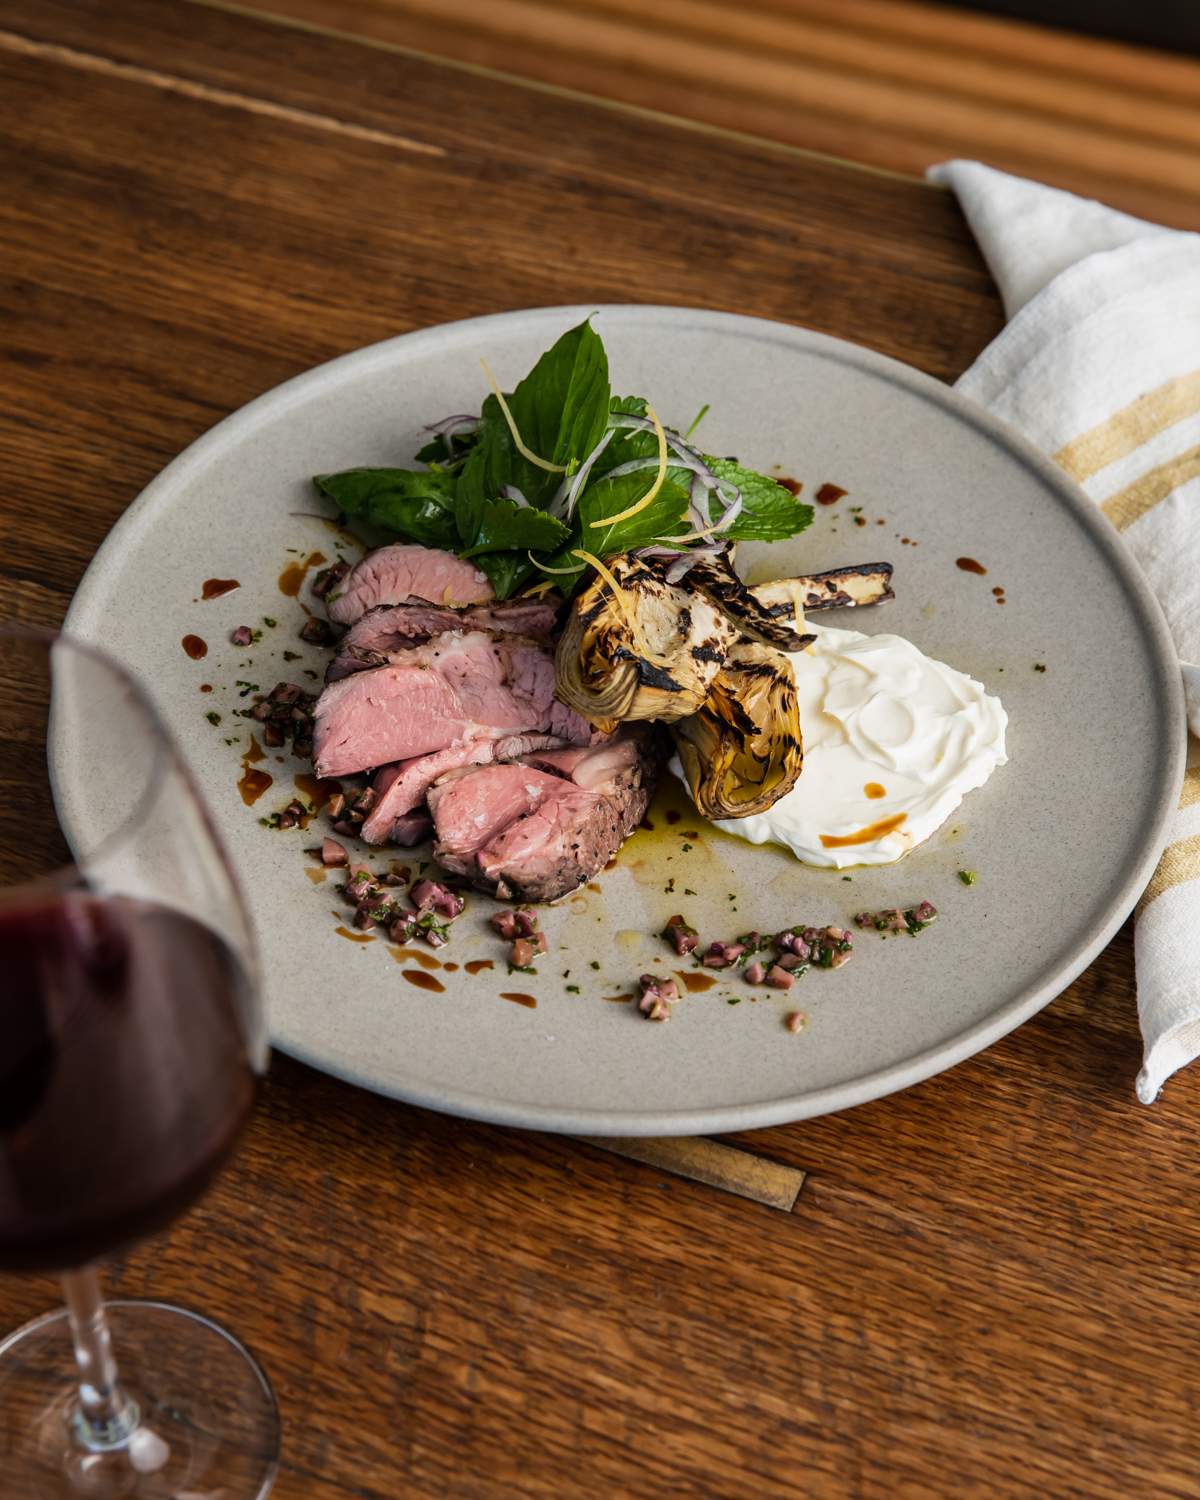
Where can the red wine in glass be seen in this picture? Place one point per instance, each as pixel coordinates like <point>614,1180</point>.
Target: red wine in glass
<point>125,1035</point>
<point>131,1043</point>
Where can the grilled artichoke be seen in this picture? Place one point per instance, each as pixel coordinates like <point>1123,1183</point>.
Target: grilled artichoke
<point>842,588</point>
<point>714,577</point>
<point>650,653</point>
<point>743,749</point>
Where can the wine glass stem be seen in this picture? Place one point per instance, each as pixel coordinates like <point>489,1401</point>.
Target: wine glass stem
<point>106,1416</point>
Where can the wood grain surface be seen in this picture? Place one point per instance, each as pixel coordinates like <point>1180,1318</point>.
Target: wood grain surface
<point>893,83</point>
<point>987,1285</point>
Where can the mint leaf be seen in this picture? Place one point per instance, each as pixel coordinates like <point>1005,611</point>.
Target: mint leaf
<point>503,525</point>
<point>490,466</point>
<point>416,505</point>
<point>769,512</point>
<point>561,407</point>
<point>506,571</point>
<point>665,516</point>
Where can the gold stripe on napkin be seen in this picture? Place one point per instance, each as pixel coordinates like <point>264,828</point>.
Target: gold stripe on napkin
<point>1117,436</point>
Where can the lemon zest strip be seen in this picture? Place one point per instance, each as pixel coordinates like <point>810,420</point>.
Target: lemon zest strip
<point>512,427</point>
<point>652,492</point>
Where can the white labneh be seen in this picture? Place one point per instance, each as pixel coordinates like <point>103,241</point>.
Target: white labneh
<point>893,741</point>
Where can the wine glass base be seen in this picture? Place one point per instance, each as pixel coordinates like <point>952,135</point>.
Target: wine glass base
<point>208,1424</point>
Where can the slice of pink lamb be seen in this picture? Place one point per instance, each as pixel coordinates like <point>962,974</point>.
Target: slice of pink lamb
<point>458,687</point>
<point>471,808</point>
<point>402,787</point>
<point>395,574</point>
<point>588,765</point>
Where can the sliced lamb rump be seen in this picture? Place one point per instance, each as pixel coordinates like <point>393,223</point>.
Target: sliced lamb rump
<point>589,765</point>
<point>402,788</point>
<point>535,834</point>
<point>532,617</point>
<point>392,575</point>
<point>553,848</point>
<point>377,636</point>
<point>454,689</point>
<point>471,807</point>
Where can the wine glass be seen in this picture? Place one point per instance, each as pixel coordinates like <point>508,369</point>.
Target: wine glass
<point>131,1043</point>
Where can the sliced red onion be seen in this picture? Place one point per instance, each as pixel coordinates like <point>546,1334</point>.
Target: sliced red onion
<point>628,421</point>
<point>449,426</point>
<point>678,571</point>
<point>574,484</point>
<point>683,559</point>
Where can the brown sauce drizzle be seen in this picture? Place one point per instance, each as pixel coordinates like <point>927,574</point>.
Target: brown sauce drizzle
<point>874,790</point>
<point>213,588</point>
<point>450,968</point>
<point>866,835</point>
<point>253,783</point>
<point>195,646</point>
<point>423,981</point>
<point>518,998</point>
<point>830,494</point>
<point>317,876</point>
<point>426,960</point>
<point>206,687</point>
<point>593,885</point>
<point>620,999</point>
<point>295,573</point>
<point>793,486</point>
<point>477,965</point>
<point>355,937</point>
<point>969,565</point>
<point>695,983</point>
<point>318,792</point>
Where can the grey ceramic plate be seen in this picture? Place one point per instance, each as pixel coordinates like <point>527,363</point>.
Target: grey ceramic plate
<point>1062,838</point>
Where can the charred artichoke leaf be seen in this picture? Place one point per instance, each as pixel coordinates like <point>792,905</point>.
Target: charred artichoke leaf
<point>652,653</point>
<point>841,588</point>
<point>714,576</point>
<point>743,750</point>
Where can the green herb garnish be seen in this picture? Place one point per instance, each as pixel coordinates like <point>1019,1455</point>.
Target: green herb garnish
<point>556,469</point>
<point>968,877</point>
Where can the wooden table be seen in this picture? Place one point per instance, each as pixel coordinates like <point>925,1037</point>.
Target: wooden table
<point>987,1284</point>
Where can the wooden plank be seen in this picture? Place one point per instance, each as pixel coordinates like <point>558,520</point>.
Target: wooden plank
<point>716,1165</point>
<point>891,83</point>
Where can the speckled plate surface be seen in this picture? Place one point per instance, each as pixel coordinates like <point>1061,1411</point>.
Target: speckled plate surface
<point>1063,837</point>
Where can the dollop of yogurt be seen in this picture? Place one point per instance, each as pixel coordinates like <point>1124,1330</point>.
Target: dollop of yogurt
<point>893,741</point>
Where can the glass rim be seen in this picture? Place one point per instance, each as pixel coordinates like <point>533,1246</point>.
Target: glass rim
<point>164,755</point>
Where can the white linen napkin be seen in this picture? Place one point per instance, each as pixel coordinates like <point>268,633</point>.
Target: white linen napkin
<point>1099,366</point>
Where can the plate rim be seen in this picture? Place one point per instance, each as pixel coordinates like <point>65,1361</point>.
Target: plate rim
<point>1170,752</point>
